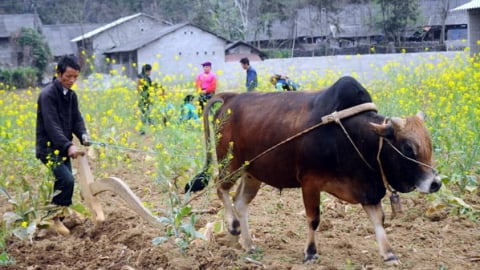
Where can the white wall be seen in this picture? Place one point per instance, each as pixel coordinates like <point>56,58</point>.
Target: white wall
<point>182,52</point>
<point>474,30</point>
<point>366,67</point>
<point>231,76</point>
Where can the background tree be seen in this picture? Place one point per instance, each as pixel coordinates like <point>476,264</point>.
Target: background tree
<point>396,15</point>
<point>34,50</point>
<point>243,7</point>
<point>444,8</point>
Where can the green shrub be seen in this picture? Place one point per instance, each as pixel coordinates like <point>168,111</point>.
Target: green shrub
<point>20,77</point>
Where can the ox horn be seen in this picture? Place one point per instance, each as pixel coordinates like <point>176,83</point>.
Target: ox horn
<point>398,123</point>
<point>421,115</point>
<point>384,130</point>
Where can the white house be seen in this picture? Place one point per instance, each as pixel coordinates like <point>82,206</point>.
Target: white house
<point>114,34</point>
<point>178,51</point>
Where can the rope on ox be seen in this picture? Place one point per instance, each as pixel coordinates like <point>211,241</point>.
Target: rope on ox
<point>333,117</point>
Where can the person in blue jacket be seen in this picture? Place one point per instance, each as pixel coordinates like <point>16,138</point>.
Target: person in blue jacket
<point>283,83</point>
<point>188,111</point>
<point>251,81</point>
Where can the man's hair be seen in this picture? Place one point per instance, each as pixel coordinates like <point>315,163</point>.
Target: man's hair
<point>245,61</point>
<point>67,61</point>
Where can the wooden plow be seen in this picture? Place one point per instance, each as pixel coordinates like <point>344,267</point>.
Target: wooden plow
<point>89,189</point>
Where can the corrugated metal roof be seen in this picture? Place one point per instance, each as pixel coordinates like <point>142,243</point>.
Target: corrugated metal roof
<point>10,23</point>
<point>58,36</point>
<point>151,36</point>
<point>145,39</point>
<point>107,26</point>
<point>432,13</point>
<point>470,5</point>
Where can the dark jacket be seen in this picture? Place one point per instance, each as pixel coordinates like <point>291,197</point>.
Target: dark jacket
<point>58,118</point>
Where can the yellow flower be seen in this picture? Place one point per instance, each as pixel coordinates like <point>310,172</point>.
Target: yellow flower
<point>24,224</point>
<point>56,152</point>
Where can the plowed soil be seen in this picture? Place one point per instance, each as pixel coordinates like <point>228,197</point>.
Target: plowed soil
<point>422,238</point>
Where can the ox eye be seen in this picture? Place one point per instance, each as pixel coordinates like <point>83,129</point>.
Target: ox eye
<point>408,150</point>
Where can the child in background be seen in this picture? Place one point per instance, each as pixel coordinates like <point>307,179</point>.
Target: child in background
<point>283,83</point>
<point>188,109</point>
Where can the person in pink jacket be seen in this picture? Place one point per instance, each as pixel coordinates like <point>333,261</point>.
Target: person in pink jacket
<point>206,84</point>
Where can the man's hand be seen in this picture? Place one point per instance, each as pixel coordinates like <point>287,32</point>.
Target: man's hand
<point>73,151</point>
<point>86,140</point>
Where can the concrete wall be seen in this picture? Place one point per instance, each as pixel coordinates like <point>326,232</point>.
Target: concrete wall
<point>303,69</point>
<point>474,30</point>
<point>181,53</point>
<point>6,59</point>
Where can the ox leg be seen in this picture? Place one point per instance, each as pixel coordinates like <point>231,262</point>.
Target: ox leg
<point>311,200</point>
<point>246,191</point>
<point>223,189</point>
<point>376,215</point>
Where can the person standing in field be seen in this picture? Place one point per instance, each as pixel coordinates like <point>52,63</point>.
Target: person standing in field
<point>145,95</point>
<point>206,84</point>
<point>58,119</point>
<point>188,111</point>
<point>251,82</point>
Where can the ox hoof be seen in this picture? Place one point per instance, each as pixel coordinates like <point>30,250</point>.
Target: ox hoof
<point>392,260</point>
<point>310,258</point>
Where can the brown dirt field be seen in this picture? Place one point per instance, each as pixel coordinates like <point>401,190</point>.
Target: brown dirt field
<point>345,239</point>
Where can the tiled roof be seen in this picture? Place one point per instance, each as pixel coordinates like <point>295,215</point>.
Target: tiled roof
<point>107,26</point>
<point>10,23</point>
<point>470,5</point>
<point>58,36</point>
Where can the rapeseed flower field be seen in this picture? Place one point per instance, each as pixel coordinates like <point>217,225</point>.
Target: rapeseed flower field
<point>448,92</point>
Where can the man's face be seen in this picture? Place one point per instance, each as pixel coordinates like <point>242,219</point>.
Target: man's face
<point>68,78</point>
<point>244,66</point>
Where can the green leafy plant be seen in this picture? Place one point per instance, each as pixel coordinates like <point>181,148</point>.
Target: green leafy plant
<point>22,219</point>
<point>180,222</point>
<point>5,258</point>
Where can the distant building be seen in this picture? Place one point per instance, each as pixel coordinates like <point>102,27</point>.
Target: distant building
<point>239,49</point>
<point>114,34</point>
<point>10,24</point>
<point>59,36</point>
<point>354,25</point>
<point>177,49</point>
<point>473,11</point>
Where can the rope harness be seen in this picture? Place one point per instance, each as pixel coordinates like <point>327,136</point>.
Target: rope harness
<point>336,117</point>
<point>327,119</point>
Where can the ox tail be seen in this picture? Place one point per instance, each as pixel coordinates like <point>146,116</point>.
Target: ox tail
<point>200,181</point>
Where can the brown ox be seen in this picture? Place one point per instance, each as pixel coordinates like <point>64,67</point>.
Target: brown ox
<point>337,157</point>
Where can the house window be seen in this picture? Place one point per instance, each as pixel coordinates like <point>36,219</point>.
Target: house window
<point>198,53</point>
<point>180,53</point>
<point>205,52</point>
<point>141,29</point>
<point>185,32</point>
<point>213,52</point>
<point>191,32</point>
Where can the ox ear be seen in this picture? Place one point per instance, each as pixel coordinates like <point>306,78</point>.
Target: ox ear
<point>421,115</point>
<point>384,130</point>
